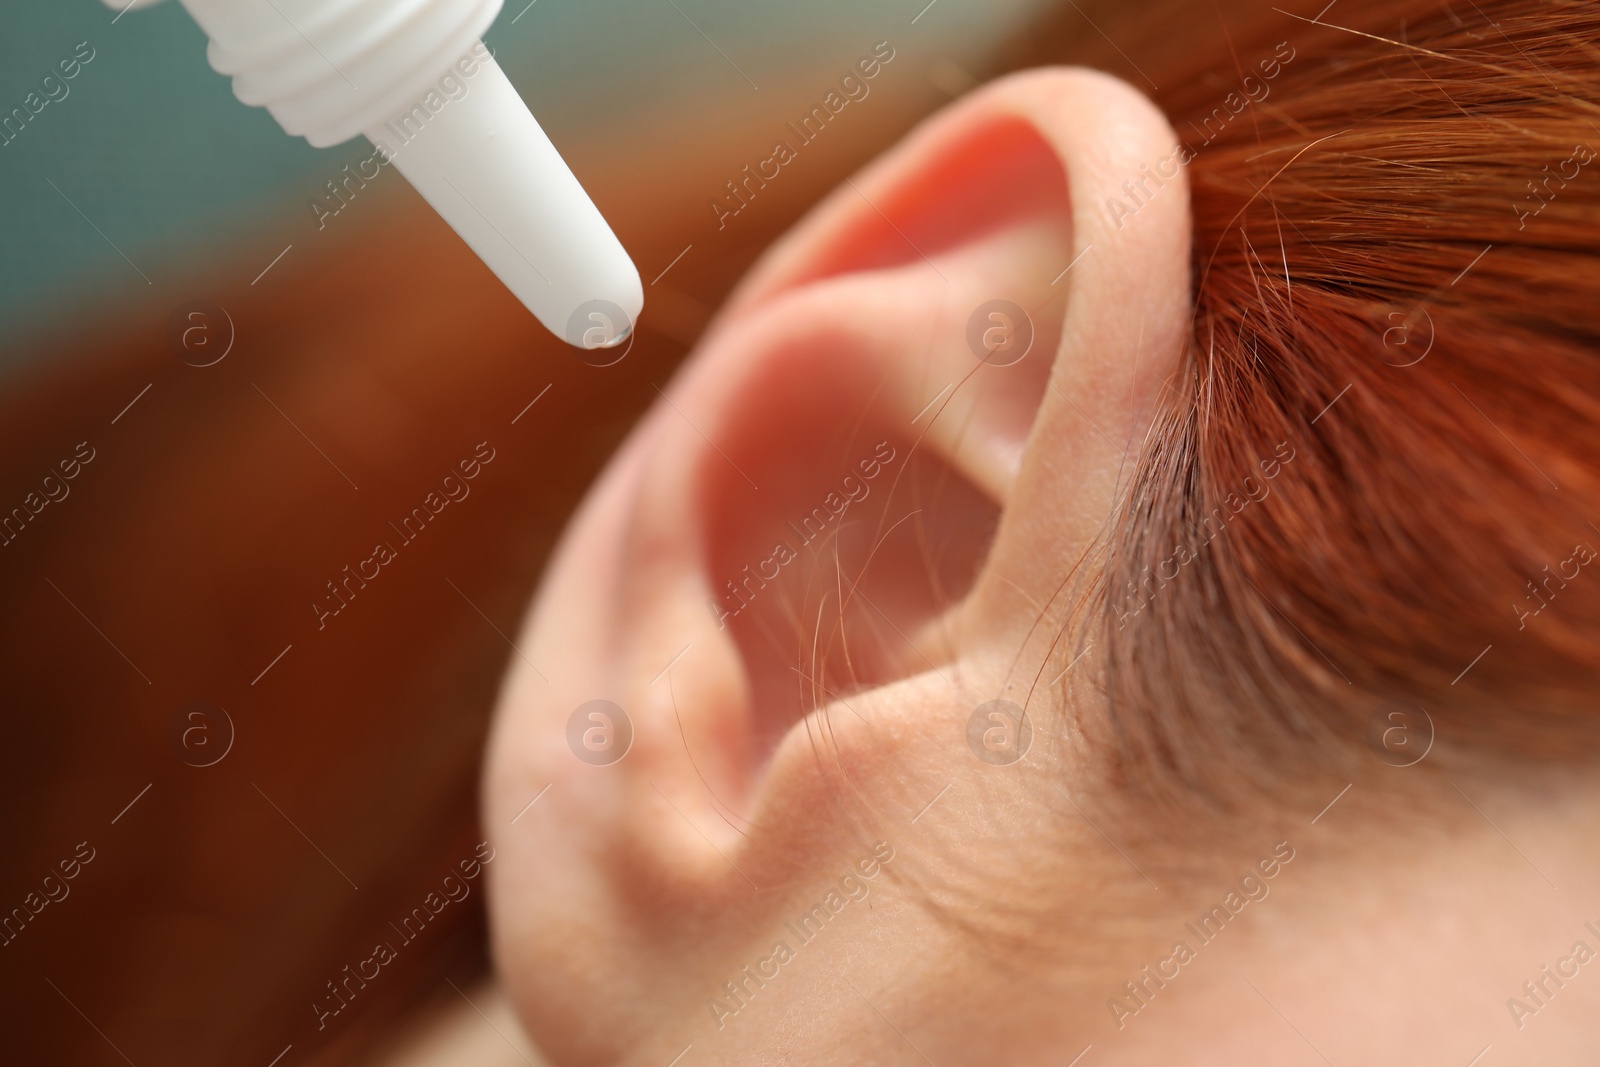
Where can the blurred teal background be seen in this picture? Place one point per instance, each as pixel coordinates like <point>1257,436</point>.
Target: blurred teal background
<point>151,147</point>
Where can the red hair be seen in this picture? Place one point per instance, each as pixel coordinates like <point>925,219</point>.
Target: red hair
<point>1397,264</point>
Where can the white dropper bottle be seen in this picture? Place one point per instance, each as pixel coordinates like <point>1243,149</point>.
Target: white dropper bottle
<point>415,78</point>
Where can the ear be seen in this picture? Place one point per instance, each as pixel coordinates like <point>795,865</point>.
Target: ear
<point>868,473</point>
<point>1060,191</point>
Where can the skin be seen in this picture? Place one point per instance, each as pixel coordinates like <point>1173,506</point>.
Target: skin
<point>772,754</point>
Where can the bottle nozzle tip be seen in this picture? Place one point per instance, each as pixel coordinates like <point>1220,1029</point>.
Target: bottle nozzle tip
<point>598,324</point>
<point>622,335</point>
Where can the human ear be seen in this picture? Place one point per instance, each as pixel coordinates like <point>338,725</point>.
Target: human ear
<point>848,350</point>
<point>1047,189</point>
